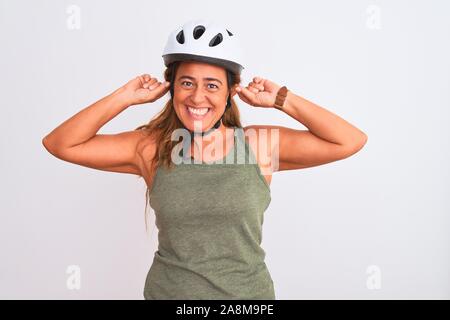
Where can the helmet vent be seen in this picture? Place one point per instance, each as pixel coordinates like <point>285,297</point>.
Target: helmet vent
<point>216,40</point>
<point>229,33</point>
<point>180,37</point>
<point>198,31</point>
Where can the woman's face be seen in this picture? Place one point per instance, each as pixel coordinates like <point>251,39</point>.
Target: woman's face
<point>200,94</point>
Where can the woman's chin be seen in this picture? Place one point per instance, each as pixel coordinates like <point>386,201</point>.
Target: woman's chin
<point>197,126</point>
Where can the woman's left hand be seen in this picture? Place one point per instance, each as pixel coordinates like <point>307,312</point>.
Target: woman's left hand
<point>259,93</point>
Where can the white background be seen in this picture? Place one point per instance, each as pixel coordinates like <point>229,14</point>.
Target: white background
<point>381,65</point>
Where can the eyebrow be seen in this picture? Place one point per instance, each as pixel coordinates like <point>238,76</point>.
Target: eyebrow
<point>207,78</point>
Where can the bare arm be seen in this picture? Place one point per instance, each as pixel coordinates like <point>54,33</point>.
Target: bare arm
<point>328,138</point>
<point>76,139</point>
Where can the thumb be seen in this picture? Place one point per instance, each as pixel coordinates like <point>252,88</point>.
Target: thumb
<point>160,86</point>
<point>160,89</point>
<point>246,95</point>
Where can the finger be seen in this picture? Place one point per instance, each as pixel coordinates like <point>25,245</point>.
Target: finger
<point>160,86</point>
<point>258,79</point>
<point>245,91</point>
<point>256,84</point>
<point>165,85</point>
<point>146,77</point>
<point>252,89</point>
<point>161,89</point>
<point>149,83</point>
<point>243,98</point>
<point>154,85</point>
<point>247,94</point>
<point>260,87</point>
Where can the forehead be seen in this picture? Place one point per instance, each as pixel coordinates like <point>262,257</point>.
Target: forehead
<point>200,70</point>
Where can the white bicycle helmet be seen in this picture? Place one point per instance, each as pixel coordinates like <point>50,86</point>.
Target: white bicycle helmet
<point>206,41</point>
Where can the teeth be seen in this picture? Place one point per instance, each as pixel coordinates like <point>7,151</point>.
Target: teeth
<point>198,111</point>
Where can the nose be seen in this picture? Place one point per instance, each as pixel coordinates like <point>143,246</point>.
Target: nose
<point>198,95</point>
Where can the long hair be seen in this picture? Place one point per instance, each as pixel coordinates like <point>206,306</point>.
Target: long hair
<point>162,125</point>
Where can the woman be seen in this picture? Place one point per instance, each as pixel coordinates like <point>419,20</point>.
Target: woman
<point>209,206</point>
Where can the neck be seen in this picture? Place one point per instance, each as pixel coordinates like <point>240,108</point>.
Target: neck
<point>215,140</point>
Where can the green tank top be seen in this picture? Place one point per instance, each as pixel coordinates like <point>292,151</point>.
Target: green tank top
<point>209,219</point>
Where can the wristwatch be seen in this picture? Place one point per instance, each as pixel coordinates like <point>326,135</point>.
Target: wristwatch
<point>281,96</point>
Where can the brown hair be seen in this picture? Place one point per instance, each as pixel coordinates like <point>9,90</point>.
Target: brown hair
<point>166,121</point>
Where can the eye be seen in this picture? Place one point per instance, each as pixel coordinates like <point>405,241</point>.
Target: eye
<point>209,84</point>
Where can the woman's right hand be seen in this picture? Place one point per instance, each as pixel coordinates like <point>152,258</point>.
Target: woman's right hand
<point>144,89</point>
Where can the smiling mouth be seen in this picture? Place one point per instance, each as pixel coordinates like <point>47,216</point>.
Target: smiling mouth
<point>198,113</point>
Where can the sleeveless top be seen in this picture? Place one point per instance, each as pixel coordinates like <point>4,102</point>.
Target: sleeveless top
<point>209,218</point>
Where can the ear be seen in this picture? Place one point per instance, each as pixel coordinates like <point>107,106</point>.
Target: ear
<point>233,90</point>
